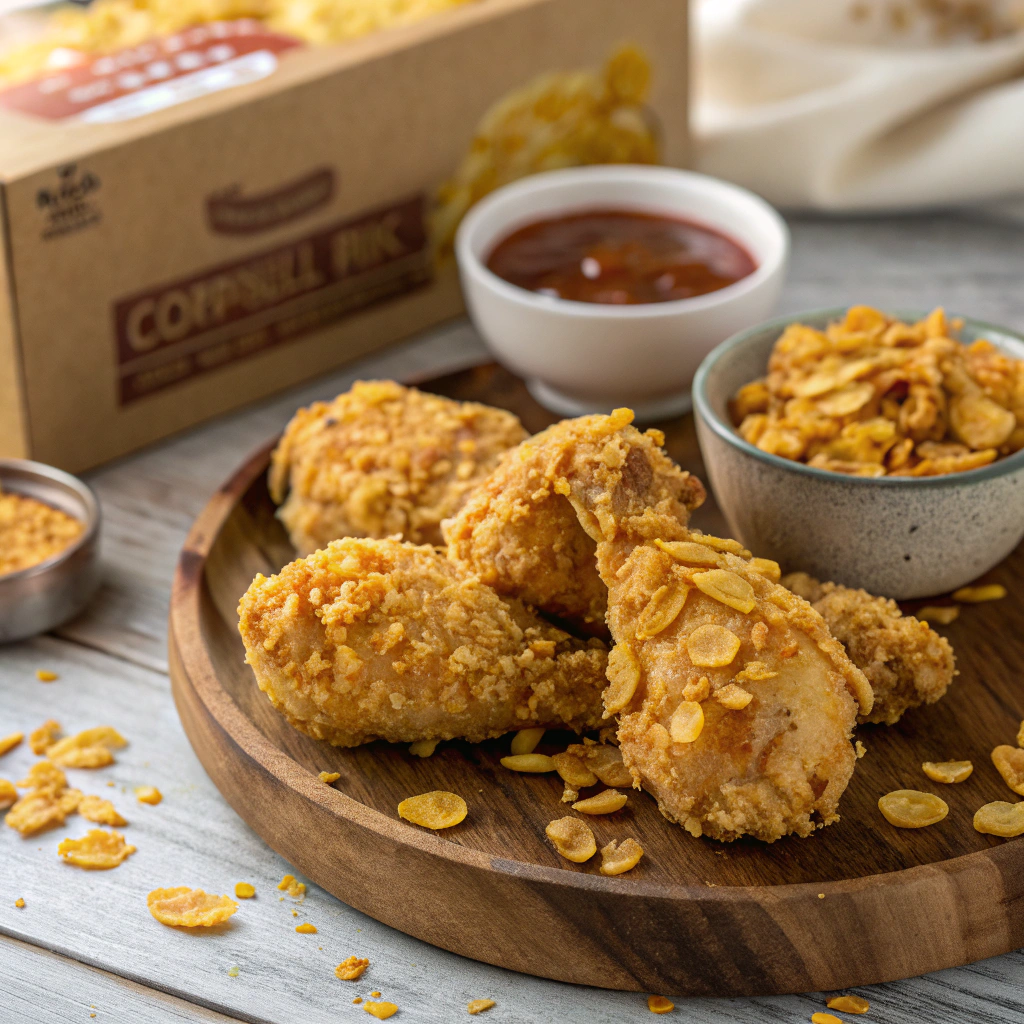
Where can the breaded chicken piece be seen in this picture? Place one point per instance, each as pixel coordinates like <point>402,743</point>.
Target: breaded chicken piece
<point>383,459</point>
<point>697,630</point>
<point>371,639</point>
<point>906,662</point>
<point>520,534</point>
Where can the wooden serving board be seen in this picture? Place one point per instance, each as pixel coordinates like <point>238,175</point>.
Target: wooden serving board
<point>858,903</point>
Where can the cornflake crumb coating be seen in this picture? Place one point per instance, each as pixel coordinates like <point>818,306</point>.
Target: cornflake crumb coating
<point>378,639</point>
<point>382,459</point>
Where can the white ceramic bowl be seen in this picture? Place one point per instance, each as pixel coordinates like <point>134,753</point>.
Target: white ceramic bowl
<point>901,537</point>
<point>580,357</point>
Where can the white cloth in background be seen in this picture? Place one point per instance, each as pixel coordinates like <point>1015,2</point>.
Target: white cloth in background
<point>862,105</point>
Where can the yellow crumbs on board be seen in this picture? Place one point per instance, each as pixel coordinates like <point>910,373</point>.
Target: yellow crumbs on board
<point>849,1004</point>
<point>46,676</point>
<point>910,808</point>
<point>292,886</point>
<point>96,850</point>
<point>306,928</point>
<point>659,1004</point>
<point>435,810</point>
<point>329,777</point>
<point>475,1006</point>
<point>351,969</point>
<point>182,907</point>
<point>977,595</point>
<point>380,1010</point>
<point>10,741</point>
<point>245,890</point>
<point>148,795</point>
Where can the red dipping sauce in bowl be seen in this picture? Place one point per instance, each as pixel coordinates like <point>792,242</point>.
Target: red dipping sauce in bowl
<point>619,257</point>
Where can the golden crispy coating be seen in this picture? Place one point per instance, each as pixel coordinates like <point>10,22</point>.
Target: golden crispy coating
<point>907,663</point>
<point>371,639</point>
<point>382,459</point>
<point>519,533</point>
<point>776,765</point>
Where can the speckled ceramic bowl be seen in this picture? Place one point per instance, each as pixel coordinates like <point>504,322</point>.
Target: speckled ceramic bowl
<point>897,536</point>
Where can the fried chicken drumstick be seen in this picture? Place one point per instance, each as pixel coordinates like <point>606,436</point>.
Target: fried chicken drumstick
<point>736,705</point>
<point>906,662</point>
<point>382,459</point>
<point>379,639</point>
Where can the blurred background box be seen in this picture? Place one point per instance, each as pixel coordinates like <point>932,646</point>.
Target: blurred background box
<point>201,218</point>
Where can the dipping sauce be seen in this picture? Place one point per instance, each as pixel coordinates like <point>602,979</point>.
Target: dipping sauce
<point>618,257</point>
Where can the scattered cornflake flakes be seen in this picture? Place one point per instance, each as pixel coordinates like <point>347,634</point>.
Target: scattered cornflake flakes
<point>10,742</point>
<point>245,890</point>
<point>476,1006</point>
<point>38,811</point>
<point>525,741</point>
<point>96,850</point>
<point>43,737</point>
<point>232,972</point>
<point>436,809</point>
<point>147,794</point>
<point>947,771</point>
<point>351,969</point>
<point>1009,762</point>
<point>295,913</point>
<point>849,1004</point>
<point>976,595</point>
<point>44,775</point>
<point>306,928</point>
<point>329,777</point>
<point>423,748</point>
<point>572,839</point>
<point>824,1018</point>
<point>8,794</point>
<point>46,676</point>
<point>1000,818</point>
<point>659,1004</point>
<point>87,749</point>
<point>182,907</point>
<point>943,615</point>
<point>860,749</point>
<point>604,760</point>
<point>357,1000</point>
<point>376,995</point>
<point>617,858</point>
<point>910,808</point>
<point>537,763</point>
<point>103,812</point>
<point>292,886</point>
<point>19,902</point>
<point>380,1010</point>
<point>573,771</point>
<point>608,801</point>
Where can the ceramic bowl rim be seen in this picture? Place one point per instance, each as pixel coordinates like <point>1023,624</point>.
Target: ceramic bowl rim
<point>91,521</point>
<point>563,179</point>
<point>702,406</point>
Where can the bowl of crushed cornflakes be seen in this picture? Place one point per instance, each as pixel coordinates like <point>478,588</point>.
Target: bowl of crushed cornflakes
<point>883,451</point>
<point>49,547</point>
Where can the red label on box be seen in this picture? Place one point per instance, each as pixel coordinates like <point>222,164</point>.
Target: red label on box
<point>178,330</point>
<point>154,75</point>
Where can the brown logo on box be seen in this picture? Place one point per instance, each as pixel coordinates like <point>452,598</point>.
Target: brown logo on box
<point>231,213</point>
<point>66,204</point>
<point>178,330</point>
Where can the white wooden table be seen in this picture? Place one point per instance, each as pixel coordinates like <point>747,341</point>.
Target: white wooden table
<point>85,943</point>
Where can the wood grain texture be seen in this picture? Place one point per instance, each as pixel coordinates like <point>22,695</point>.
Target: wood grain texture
<point>696,916</point>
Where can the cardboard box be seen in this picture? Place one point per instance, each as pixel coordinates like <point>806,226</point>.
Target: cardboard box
<point>171,252</point>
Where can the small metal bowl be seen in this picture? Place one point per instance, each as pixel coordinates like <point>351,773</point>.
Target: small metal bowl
<point>41,597</point>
